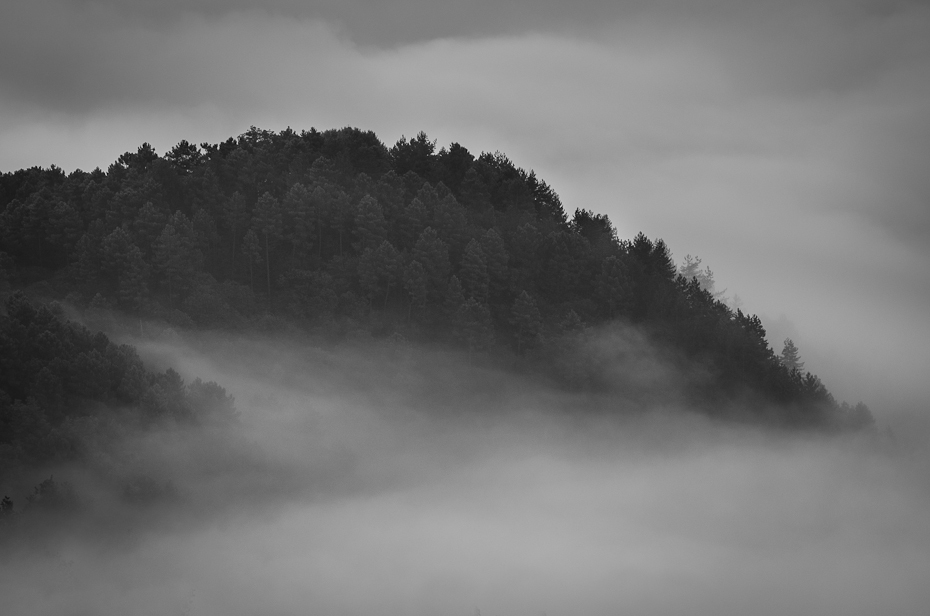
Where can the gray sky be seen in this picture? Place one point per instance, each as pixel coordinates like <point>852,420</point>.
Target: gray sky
<point>787,144</point>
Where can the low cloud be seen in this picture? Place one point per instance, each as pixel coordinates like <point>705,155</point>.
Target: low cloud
<point>415,486</point>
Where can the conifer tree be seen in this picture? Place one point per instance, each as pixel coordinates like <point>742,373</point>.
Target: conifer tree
<point>474,272</point>
<point>429,197</point>
<point>450,221</point>
<point>473,325</point>
<point>790,358</point>
<point>433,255</point>
<point>64,228</point>
<point>496,259</point>
<point>132,280</point>
<point>379,270</point>
<point>415,285</point>
<point>614,287</point>
<point>236,215</point>
<point>525,317</point>
<point>690,267</point>
<point>455,296</point>
<point>176,256</point>
<point>267,224</point>
<point>412,222</point>
<point>299,216</point>
<point>474,191</point>
<point>147,227</point>
<point>389,191</point>
<point>206,237</point>
<point>252,250</point>
<point>370,228</point>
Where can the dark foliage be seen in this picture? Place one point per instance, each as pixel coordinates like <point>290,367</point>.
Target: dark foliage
<point>336,233</point>
<point>61,385</point>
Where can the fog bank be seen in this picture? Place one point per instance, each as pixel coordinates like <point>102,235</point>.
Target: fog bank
<point>396,485</point>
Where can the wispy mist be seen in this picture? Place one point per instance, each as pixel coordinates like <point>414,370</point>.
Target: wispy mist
<point>370,480</point>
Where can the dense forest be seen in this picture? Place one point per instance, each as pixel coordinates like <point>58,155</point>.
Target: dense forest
<point>338,236</point>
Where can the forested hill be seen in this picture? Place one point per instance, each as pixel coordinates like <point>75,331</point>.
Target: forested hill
<point>337,234</point>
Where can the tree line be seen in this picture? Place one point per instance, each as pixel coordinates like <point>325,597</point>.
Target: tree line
<point>338,234</point>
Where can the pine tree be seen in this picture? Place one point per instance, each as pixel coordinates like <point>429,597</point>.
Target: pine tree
<point>236,215</point>
<point>473,325</point>
<point>415,285</point>
<point>321,213</point>
<point>412,222</point>
<point>341,212</point>
<point>525,317</point>
<point>379,270</point>
<point>433,255</point>
<point>205,235</point>
<point>370,228</point>
<point>455,296</point>
<point>524,254</point>
<point>132,280</point>
<point>65,228</point>
<point>147,227</point>
<point>267,223</point>
<point>497,261</point>
<point>176,255</point>
<point>252,249</point>
<point>790,358</point>
<point>474,192</point>
<point>691,268</point>
<point>299,216</point>
<point>474,272</point>
<point>429,198</point>
<point>450,221</point>
<point>389,191</point>
<point>614,287</point>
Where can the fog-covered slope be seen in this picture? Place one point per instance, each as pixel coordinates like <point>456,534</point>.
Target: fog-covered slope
<point>368,478</point>
<point>338,236</point>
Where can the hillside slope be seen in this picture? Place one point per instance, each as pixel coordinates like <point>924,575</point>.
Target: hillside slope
<point>338,235</point>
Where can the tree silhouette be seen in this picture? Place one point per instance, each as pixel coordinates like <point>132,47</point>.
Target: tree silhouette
<point>251,248</point>
<point>433,255</point>
<point>415,285</point>
<point>474,272</point>
<point>525,317</point>
<point>789,356</point>
<point>370,228</point>
<point>267,224</point>
<point>473,325</point>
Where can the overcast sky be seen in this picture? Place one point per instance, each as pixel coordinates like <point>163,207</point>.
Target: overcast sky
<point>787,144</point>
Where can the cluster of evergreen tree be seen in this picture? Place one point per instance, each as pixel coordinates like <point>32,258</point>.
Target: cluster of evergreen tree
<point>63,388</point>
<point>339,233</point>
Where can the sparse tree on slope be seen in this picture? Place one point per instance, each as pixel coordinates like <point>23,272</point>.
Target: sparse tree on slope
<point>790,358</point>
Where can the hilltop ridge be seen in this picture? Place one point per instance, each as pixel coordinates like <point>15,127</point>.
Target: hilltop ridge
<point>339,235</point>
